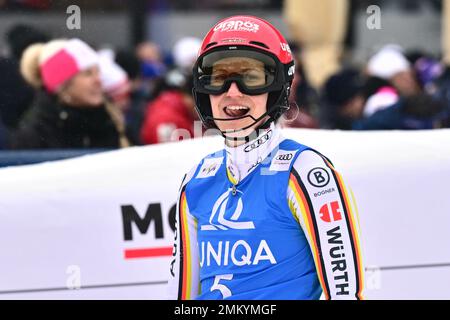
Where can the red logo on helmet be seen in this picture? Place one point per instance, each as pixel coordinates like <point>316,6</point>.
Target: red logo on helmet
<point>285,47</point>
<point>237,25</point>
<point>335,212</point>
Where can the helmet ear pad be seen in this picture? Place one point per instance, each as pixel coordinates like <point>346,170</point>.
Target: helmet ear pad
<point>278,102</point>
<point>204,109</point>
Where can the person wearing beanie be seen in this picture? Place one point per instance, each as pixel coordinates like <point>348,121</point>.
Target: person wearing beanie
<point>184,53</point>
<point>70,110</point>
<point>390,64</point>
<point>115,81</point>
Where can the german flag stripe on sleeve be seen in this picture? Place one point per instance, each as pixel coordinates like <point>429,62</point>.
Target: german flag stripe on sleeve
<point>181,246</point>
<point>308,215</point>
<point>353,232</point>
<point>185,280</point>
<point>185,253</point>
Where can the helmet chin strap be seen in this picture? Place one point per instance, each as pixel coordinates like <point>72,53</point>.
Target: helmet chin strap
<point>254,133</point>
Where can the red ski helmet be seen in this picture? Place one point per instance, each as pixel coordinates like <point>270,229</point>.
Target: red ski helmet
<point>249,37</point>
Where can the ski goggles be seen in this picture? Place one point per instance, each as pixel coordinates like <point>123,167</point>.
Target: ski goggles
<point>254,72</point>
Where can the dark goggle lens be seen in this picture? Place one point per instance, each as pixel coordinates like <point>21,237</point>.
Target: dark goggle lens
<point>253,70</point>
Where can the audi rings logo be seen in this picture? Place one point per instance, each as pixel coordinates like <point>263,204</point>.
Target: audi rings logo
<point>318,177</point>
<point>284,157</point>
<point>256,144</point>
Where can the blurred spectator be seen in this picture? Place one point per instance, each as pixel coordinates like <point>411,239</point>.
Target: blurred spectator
<point>15,94</point>
<point>378,95</point>
<point>115,82</point>
<point>428,70</point>
<point>152,67</point>
<point>303,98</point>
<point>21,36</point>
<point>149,54</point>
<point>129,62</point>
<point>408,114</point>
<point>185,53</point>
<point>140,94</point>
<point>403,104</point>
<point>70,110</point>
<point>173,109</point>
<point>439,90</point>
<point>343,100</point>
<point>390,63</point>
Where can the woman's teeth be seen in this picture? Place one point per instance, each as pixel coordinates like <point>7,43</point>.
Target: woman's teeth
<point>236,111</point>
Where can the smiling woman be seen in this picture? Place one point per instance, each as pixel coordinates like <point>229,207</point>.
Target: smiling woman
<point>70,110</point>
<point>266,217</point>
<point>229,77</point>
<point>84,89</point>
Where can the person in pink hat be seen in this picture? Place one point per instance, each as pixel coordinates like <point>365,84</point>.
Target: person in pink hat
<point>70,110</point>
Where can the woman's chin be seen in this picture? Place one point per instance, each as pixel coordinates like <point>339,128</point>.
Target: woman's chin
<point>95,102</point>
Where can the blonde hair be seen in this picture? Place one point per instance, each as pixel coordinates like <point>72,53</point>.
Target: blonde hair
<point>118,120</point>
<point>29,64</point>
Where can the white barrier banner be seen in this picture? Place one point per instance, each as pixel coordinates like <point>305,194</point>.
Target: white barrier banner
<point>101,226</point>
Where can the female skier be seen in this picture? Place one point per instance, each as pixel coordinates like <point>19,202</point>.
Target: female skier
<point>266,217</point>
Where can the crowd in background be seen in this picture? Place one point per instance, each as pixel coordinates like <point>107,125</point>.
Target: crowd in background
<point>105,98</point>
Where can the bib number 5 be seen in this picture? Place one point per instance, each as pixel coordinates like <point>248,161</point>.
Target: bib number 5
<point>224,290</point>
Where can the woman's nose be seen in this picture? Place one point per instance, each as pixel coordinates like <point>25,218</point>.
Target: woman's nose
<point>233,90</point>
<point>96,79</point>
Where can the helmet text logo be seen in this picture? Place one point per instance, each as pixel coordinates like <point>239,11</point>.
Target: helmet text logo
<point>237,25</point>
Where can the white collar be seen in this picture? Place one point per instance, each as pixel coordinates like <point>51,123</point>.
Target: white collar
<point>243,159</point>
